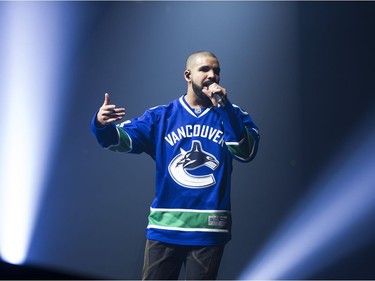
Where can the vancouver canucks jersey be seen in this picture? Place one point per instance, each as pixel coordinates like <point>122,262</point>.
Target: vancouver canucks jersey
<point>193,168</point>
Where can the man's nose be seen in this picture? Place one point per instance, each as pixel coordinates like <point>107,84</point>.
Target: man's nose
<point>211,74</point>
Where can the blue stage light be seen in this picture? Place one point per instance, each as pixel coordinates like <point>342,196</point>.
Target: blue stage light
<point>331,222</point>
<point>31,59</point>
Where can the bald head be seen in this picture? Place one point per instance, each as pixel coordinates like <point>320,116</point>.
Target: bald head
<point>191,60</point>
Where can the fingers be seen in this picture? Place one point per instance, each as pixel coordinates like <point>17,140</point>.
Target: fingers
<point>107,116</point>
<point>109,113</point>
<point>106,99</point>
<point>217,89</point>
<point>216,93</point>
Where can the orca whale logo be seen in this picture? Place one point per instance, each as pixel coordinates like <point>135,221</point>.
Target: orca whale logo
<point>193,159</point>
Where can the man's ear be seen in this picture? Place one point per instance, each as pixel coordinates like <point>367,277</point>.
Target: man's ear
<point>187,75</point>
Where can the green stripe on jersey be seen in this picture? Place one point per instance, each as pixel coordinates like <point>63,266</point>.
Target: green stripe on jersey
<point>190,220</point>
<point>124,144</point>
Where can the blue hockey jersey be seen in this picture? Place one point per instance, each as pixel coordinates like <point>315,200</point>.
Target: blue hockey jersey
<point>193,167</point>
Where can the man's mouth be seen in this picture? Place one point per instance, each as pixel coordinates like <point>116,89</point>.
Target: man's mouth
<point>208,83</point>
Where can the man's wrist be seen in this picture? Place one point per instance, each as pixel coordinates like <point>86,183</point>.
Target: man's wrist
<point>98,124</point>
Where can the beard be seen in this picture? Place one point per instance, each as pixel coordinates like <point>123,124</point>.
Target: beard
<point>199,93</point>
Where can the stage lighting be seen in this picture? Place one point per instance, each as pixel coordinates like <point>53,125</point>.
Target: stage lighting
<point>30,60</point>
<point>331,222</point>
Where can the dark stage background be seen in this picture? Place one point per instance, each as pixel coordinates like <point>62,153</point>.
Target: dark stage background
<point>303,70</point>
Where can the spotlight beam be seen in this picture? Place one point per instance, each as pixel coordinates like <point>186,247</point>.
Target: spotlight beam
<point>322,228</point>
<point>29,68</point>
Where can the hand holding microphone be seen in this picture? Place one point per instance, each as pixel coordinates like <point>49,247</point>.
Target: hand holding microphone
<point>216,93</point>
<point>219,100</point>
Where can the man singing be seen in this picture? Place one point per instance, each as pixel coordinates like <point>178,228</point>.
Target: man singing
<point>193,140</point>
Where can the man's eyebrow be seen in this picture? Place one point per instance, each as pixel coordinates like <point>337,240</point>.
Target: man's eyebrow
<point>203,67</point>
<point>206,67</point>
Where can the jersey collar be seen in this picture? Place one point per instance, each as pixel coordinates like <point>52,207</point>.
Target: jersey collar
<point>192,111</point>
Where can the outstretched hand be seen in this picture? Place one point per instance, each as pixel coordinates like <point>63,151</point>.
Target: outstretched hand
<point>109,113</point>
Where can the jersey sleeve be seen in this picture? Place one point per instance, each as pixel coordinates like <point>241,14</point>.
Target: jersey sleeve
<point>141,132</point>
<point>241,133</point>
<point>105,135</point>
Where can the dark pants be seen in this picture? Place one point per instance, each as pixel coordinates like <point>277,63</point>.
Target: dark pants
<point>164,261</point>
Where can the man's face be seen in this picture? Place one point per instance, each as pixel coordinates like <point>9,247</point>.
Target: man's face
<point>204,71</point>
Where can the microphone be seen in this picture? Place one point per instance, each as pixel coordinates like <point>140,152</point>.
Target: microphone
<point>219,100</point>
<point>217,97</point>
